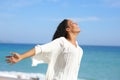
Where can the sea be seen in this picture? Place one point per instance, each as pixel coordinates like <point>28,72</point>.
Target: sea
<point>98,63</point>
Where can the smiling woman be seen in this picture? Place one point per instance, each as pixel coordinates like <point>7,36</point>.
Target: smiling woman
<point>63,54</point>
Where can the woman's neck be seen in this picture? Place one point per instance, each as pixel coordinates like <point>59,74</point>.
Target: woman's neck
<point>72,39</point>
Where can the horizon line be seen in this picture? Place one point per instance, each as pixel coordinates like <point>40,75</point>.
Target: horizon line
<point>44,43</point>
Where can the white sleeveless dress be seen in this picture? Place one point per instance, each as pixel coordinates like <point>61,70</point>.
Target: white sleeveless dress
<point>63,59</point>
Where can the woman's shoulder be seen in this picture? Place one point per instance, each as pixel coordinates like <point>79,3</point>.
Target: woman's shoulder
<point>60,38</point>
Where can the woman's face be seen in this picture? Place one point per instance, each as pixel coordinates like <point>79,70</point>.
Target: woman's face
<point>73,27</point>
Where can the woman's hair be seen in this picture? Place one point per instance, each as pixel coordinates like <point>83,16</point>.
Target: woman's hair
<point>61,30</point>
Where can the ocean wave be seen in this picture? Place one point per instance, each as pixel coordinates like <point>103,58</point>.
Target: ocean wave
<point>22,75</point>
<point>30,76</point>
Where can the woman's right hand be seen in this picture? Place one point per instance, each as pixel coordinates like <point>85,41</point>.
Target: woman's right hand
<point>14,58</point>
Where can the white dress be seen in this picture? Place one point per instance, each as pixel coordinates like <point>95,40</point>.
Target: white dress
<point>63,59</point>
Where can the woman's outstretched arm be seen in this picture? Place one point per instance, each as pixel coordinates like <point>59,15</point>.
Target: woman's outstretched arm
<point>18,57</point>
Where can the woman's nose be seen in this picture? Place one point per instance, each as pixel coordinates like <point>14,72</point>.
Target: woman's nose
<point>76,23</point>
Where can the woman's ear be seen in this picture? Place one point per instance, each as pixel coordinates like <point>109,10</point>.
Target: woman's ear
<point>67,29</point>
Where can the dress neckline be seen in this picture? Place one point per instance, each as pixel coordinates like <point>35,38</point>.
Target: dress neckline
<point>71,43</point>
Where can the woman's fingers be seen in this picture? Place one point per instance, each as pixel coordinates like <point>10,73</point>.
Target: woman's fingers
<point>8,56</point>
<point>16,55</point>
<point>13,59</point>
<point>8,61</point>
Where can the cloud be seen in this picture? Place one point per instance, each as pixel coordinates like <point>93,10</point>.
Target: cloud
<point>101,3</point>
<point>93,18</point>
<point>12,4</point>
<point>6,15</point>
<point>53,0</point>
<point>116,4</point>
<point>112,3</point>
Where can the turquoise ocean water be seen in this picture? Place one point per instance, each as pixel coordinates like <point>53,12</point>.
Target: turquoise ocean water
<point>98,62</point>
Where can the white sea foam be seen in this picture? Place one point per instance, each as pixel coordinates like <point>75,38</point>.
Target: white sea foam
<point>22,75</point>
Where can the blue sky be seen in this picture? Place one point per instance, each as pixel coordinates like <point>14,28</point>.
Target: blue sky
<point>34,21</point>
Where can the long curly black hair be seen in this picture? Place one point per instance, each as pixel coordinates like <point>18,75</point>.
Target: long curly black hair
<point>61,30</point>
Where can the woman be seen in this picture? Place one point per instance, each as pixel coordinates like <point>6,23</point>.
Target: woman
<point>62,54</point>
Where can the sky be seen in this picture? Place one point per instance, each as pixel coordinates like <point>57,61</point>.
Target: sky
<point>35,21</point>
